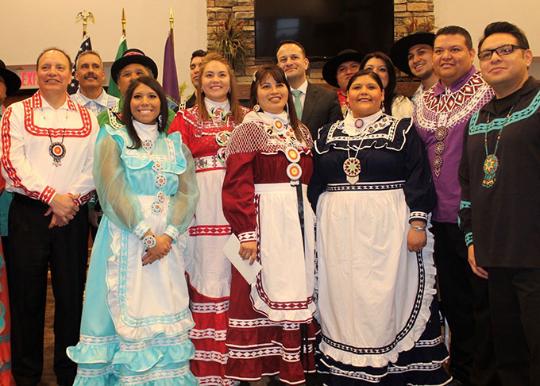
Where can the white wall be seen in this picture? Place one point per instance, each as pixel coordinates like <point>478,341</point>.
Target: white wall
<point>474,15</point>
<point>29,26</point>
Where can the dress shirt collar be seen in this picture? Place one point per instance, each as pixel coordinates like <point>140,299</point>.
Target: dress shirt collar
<point>303,87</point>
<point>102,99</point>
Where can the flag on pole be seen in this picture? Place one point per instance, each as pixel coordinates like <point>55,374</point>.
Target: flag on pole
<point>170,76</point>
<point>122,47</point>
<point>86,45</point>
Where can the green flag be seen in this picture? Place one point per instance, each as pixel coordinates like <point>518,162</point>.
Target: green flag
<point>113,88</point>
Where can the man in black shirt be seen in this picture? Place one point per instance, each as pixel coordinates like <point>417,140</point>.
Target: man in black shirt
<point>500,207</point>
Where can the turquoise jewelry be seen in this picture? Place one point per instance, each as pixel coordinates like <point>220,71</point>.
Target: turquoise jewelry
<point>491,162</point>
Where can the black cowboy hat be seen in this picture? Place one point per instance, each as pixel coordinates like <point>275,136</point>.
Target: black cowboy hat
<point>133,55</point>
<point>330,68</point>
<point>11,79</point>
<point>400,50</point>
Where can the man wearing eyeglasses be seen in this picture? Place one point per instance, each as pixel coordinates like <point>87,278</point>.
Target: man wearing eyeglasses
<point>440,117</point>
<point>500,179</point>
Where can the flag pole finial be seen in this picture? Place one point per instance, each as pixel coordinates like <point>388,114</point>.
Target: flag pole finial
<point>85,16</point>
<point>123,22</point>
<point>171,19</point>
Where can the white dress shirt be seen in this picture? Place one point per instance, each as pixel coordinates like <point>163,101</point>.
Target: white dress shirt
<point>29,128</point>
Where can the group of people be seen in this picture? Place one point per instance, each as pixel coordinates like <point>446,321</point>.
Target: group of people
<point>357,203</point>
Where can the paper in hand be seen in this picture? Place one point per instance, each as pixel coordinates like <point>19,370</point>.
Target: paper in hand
<point>248,271</point>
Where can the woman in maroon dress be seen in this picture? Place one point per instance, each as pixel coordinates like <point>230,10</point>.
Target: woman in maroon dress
<point>271,326</point>
<point>205,130</point>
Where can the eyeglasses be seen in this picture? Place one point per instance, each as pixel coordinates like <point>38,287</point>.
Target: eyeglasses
<point>504,50</point>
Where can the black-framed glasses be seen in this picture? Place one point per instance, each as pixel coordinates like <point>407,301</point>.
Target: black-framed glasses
<point>503,50</point>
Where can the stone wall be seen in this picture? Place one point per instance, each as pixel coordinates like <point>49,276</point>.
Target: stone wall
<point>219,10</point>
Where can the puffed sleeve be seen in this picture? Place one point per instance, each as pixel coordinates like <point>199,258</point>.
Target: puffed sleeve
<point>465,207</point>
<point>238,186</point>
<point>317,184</point>
<point>180,125</point>
<point>183,204</point>
<point>419,189</point>
<point>117,199</point>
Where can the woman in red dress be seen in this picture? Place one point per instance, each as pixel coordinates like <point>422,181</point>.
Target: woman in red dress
<point>271,326</point>
<point>205,130</point>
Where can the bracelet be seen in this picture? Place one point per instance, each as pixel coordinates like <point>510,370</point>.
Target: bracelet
<point>418,228</point>
<point>149,241</point>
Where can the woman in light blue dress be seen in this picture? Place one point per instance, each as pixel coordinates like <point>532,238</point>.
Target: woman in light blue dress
<point>136,318</point>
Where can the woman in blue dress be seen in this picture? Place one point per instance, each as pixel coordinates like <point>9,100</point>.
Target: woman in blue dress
<point>136,319</point>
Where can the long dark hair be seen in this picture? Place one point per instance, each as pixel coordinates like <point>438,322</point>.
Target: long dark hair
<point>127,116</point>
<point>232,95</point>
<point>390,89</point>
<point>279,77</point>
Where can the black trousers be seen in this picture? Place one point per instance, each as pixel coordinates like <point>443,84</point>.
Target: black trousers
<point>514,297</point>
<point>33,248</point>
<point>464,303</point>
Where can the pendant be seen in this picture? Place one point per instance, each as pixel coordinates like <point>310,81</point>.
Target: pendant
<point>57,151</point>
<point>491,164</point>
<point>440,133</point>
<point>294,172</point>
<point>352,169</point>
<point>292,154</point>
<point>147,145</point>
<point>279,126</point>
<point>221,155</point>
<point>359,123</point>
<point>222,138</point>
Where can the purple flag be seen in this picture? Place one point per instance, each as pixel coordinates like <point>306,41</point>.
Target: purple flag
<point>170,77</point>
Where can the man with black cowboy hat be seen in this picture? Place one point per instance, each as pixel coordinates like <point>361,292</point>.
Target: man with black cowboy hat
<point>413,55</point>
<point>9,84</point>
<point>339,69</point>
<point>132,65</point>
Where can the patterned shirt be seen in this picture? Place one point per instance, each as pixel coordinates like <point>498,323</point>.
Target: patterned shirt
<point>440,116</point>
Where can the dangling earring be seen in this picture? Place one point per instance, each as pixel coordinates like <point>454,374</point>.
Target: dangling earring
<point>160,121</point>
<point>256,107</point>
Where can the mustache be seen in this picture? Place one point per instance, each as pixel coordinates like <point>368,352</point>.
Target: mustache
<point>90,75</point>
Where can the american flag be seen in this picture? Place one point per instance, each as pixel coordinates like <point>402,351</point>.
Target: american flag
<point>86,45</point>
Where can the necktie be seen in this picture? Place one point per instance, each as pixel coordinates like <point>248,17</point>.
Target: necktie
<point>297,96</point>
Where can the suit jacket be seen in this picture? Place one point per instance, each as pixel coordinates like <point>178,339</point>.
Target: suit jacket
<point>321,107</point>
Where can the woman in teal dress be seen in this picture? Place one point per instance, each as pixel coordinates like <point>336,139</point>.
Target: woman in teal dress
<point>136,319</point>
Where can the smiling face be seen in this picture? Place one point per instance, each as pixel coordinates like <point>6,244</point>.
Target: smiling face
<point>130,72</point>
<point>272,96</point>
<point>53,73</point>
<point>365,96</point>
<point>345,71</point>
<point>89,73</point>
<point>420,60</point>
<point>215,81</point>
<point>145,104</point>
<point>378,66</point>
<point>505,72</point>
<point>452,59</point>
<point>293,62</point>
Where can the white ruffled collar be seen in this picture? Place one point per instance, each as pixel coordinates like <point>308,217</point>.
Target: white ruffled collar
<point>351,128</point>
<point>268,118</point>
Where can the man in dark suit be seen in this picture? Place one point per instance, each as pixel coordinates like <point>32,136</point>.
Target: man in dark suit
<point>315,105</point>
